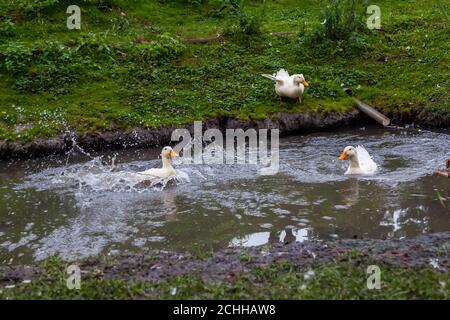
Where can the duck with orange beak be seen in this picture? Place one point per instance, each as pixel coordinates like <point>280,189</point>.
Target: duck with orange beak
<point>291,86</point>
<point>167,170</point>
<point>360,162</point>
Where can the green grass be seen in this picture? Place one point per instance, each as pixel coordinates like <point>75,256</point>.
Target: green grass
<point>112,84</point>
<point>343,280</point>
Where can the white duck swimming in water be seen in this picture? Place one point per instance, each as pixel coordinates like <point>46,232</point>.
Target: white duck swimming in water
<point>360,162</point>
<point>288,86</point>
<point>167,170</point>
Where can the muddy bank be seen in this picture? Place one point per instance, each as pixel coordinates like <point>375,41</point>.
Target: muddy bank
<point>288,123</point>
<point>412,253</point>
<point>150,137</point>
<point>422,119</point>
<point>430,250</point>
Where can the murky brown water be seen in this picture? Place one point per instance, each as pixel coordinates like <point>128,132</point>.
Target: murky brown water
<point>82,207</point>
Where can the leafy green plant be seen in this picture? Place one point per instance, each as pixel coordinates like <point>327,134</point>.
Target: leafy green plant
<point>17,57</point>
<point>239,20</point>
<point>46,67</point>
<point>30,6</point>
<point>94,45</point>
<point>164,48</point>
<point>342,29</point>
<point>7,28</point>
<point>343,19</point>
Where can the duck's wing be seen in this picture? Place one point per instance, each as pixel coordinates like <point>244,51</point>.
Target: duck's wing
<point>282,77</point>
<point>365,160</point>
<point>282,74</point>
<point>287,79</point>
<point>274,78</point>
<point>154,173</point>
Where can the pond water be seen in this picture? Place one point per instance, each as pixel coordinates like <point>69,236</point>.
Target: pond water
<point>78,206</point>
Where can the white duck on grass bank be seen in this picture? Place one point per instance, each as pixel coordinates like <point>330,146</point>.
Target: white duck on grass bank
<point>288,86</point>
<point>360,162</point>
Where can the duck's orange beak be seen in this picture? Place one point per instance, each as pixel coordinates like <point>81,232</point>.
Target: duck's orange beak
<point>305,83</point>
<point>343,155</point>
<point>173,154</point>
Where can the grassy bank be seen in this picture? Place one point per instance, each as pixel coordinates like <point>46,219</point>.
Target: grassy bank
<point>277,281</point>
<point>128,66</point>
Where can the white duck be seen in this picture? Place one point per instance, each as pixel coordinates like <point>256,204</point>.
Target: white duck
<point>167,170</point>
<point>288,86</point>
<point>360,162</point>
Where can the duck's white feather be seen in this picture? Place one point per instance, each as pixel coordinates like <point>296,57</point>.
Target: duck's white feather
<point>366,163</point>
<point>269,76</point>
<point>164,172</point>
<point>282,73</point>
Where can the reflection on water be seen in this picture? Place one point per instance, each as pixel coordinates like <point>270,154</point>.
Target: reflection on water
<point>287,235</point>
<point>88,207</point>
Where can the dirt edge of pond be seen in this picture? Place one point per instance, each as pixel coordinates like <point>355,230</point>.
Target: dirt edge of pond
<point>151,137</point>
<point>288,123</point>
<point>431,250</point>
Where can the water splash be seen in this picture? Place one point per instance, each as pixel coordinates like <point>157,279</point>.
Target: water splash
<point>99,174</point>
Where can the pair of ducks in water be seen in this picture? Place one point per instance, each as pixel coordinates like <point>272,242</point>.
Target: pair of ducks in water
<point>360,163</point>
